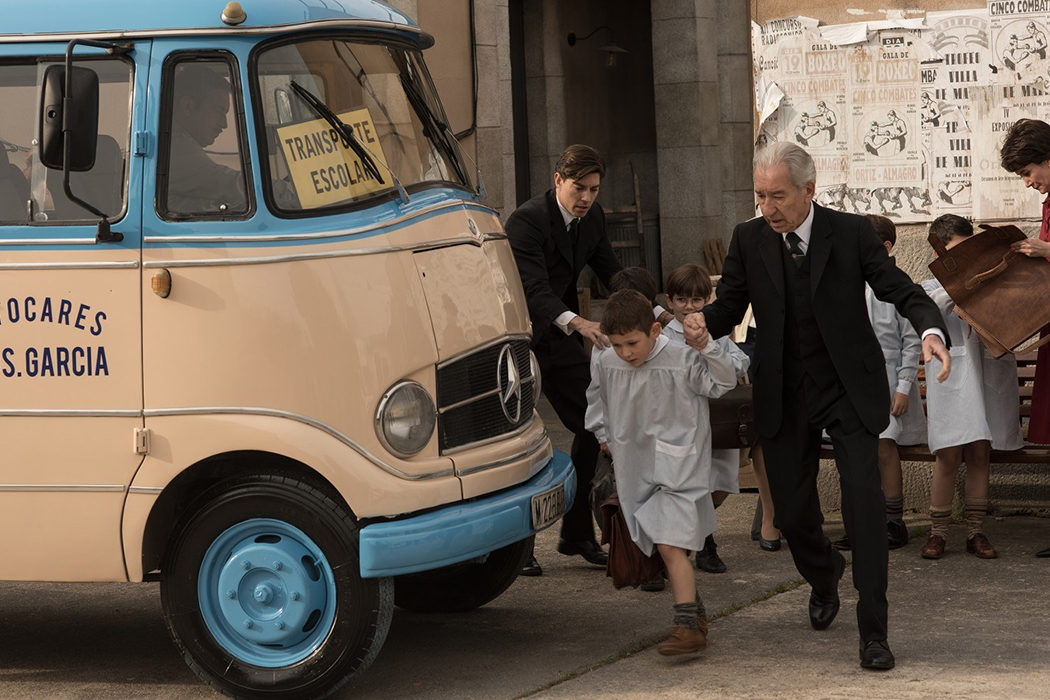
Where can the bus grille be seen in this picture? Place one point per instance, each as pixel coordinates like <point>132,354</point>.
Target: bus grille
<point>484,395</point>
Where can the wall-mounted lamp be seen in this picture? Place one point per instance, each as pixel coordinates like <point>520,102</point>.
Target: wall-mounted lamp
<point>611,48</point>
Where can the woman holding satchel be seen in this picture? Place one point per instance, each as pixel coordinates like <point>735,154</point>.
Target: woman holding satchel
<point>1026,152</point>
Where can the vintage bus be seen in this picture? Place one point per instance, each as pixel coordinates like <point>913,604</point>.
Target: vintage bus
<point>260,341</point>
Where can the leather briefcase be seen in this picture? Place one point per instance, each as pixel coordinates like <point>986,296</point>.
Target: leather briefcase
<point>1000,293</point>
<point>627,566</point>
<point>733,419</point>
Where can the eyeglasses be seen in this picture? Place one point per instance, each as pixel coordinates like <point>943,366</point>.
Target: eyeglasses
<point>695,301</point>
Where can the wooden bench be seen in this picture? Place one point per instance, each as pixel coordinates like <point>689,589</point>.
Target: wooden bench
<point>1029,454</point>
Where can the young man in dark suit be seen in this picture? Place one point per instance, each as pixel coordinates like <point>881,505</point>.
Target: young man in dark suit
<point>554,235</point>
<point>818,365</point>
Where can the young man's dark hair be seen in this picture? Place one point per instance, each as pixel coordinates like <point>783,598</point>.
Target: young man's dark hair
<point>947,226</point>
<point>637,278</point>
<point>1027,141</point>
<point>884,227</point>
<point>626,311</point>
<point>578,161</point>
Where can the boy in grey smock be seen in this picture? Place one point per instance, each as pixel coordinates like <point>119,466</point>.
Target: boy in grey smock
<point>971,413</point>
<point>650,411</point>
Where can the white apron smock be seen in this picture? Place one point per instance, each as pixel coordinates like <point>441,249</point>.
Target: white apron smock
<point>656,422</point>
<point>979,400</point>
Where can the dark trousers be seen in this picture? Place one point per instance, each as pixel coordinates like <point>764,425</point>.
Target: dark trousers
<point>566,373</point>
<point>792,461</point>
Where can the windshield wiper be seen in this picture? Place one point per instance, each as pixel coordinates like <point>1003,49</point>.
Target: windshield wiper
<point>438,130</point>
<point>346,134</point>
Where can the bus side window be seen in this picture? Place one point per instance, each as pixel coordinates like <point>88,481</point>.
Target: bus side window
<point>204,157</point>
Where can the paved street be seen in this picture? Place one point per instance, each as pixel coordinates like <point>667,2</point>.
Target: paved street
<point>960,627</point>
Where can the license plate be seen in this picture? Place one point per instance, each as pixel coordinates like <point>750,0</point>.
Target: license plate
<point>547,507</point>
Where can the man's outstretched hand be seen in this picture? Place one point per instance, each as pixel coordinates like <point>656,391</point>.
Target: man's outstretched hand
<point>695,326</point>
<point>933,346</point>
<point>591,330</point>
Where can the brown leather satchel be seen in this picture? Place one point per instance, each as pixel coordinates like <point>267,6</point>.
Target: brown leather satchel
<point>627,566</point>
<point>733,419</point>
<point>1001,294</point>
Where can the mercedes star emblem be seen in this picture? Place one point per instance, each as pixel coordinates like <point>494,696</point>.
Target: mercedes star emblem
<point>509,382</point>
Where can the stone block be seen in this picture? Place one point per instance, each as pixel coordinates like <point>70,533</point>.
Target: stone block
<point>708,115</point>
<point>734,88</point>
<point>681,238</point>
<point>676,107</point>
<point>488,88</point>
<point>503,44</point>
<point>672,9</point>
<point>506,97</point>
<point>734,23</point>
<point>490,161</point>
<point>486,19</point>
<point>675,56</point>
<point>681,174</point>
<point>736,157</point>
<point>707,49</point>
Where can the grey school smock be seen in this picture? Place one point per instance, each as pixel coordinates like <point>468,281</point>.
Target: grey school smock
<point>656,422</point>
<point>902,349</point>
<point>979,400</point>
<point>725,464</point>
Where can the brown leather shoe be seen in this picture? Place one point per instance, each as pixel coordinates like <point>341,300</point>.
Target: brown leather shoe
<point>981,547</point>
<point>701,621</point>
<point>934,548</point>
<point>683,641</point>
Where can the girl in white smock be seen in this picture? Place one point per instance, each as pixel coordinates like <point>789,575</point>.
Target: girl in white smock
<point>972,412</point>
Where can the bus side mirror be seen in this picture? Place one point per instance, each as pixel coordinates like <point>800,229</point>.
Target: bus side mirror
<point>73,116</point>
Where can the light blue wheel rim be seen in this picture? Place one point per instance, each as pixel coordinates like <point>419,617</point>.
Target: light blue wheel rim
<point>267,593</point>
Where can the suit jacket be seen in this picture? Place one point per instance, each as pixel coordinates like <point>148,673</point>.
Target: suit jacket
<point>548,268</point>
<point>844,253</point>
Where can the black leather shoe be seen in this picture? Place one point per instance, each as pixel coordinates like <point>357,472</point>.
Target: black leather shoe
<point>1044,553</point>
<point>769,545</point>
<point>896,533</point>
<point>843,544</point>
<point>876,655</point>
<point>707,559</point>
<point>588,550</point>
<point>822,610</point>
<point>531,568</point>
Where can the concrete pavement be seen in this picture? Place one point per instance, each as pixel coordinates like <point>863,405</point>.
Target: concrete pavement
<point>960,627</point>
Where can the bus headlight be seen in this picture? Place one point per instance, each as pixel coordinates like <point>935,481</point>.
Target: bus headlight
<point>405,418</point>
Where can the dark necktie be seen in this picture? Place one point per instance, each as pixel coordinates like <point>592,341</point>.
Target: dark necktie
<point>574,232</point>
<point>794,243</point>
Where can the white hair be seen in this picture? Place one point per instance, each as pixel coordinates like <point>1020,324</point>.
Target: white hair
<point>798,161</point>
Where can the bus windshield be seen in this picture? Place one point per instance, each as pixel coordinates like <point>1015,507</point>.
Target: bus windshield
<point>384,97</point>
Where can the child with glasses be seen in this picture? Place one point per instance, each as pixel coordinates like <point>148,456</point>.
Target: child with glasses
<point>688,290</point>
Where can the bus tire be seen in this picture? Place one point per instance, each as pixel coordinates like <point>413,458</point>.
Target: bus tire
<point>464,586</point>
<point>262,593</point>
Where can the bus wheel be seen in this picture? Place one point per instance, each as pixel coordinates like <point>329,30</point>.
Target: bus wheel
<point>262,592</point>
<point>465,586</point>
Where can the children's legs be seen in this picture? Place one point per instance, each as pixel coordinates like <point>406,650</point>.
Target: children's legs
<point>893,489</point>
<point>976,455</point>
<point>942,488</point>
<point>679,573</point>
<point>890,469</point>
<point>717,497</point>
<point>758,463</point>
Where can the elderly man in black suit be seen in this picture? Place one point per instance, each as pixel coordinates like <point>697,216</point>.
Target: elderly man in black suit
<point>803,268</point>
<point>554,235</point>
